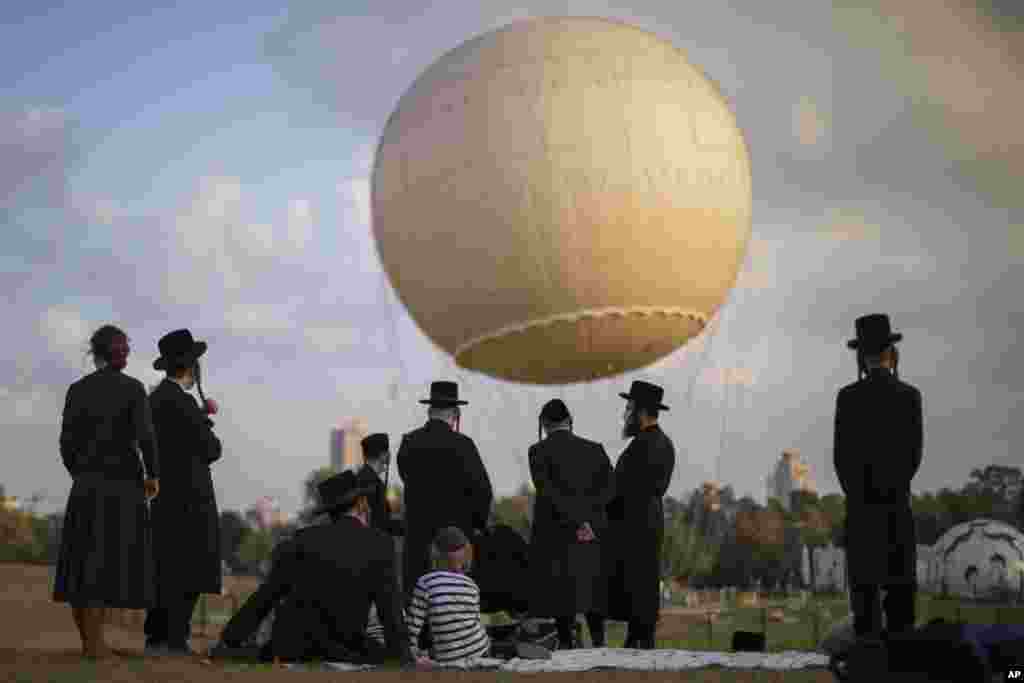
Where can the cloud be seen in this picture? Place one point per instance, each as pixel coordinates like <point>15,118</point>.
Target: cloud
<point>332,339</point>
<point>810,125</point>
<point>300,224</point>
<point>849,224</point>
<point>66,334</point>
<point>30,406</point>
<point>263,318</point>
<point>355,193</point>
<point>35,153</point>
<point>728,376</point>
<point>961,74</point>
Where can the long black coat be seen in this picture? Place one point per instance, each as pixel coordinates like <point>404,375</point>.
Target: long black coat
<point>186,524</point>
<point>322,584</point>
<point>106,552</point>
<point>380,511</point>
<point>446,484</point>
<point>574,483</point>
<point>877,451</point>
<point>637,525</point>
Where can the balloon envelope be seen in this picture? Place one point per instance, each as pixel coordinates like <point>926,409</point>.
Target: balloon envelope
<point>561,199</point>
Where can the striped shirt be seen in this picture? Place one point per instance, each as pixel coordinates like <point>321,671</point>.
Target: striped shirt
<point>452,604</point>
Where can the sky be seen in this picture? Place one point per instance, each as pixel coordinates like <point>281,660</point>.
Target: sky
<point>207,166</point>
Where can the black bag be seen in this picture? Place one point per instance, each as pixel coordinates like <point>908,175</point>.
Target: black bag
<point>937,652</point>
<point>748,641</point>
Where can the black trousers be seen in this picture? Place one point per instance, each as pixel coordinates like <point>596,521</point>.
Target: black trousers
<point>898,605</point>
<point>595,624</point>
<point>171,624</point>
<point>640,635</point>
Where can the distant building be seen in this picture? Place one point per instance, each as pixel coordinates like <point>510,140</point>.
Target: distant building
<point>346,448</point>
<point>790,474</point>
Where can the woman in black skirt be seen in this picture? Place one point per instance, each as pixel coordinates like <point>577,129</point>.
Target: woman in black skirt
<point>105,552</point>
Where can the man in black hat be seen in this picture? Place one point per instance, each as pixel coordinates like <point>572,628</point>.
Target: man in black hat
<point>573,479</point>
<point>636,516</point>
<point>323,583</point>
<point>446,483</point>
<point>877,452</point>
<point>374,474</point>
<point>185,521</point>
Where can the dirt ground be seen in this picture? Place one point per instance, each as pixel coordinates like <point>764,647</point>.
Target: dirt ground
<point>38,642</point>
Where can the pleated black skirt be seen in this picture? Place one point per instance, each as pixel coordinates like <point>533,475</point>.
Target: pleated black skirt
<point>106,557</point>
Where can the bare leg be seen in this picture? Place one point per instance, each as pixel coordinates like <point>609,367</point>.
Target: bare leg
<point>78,613</point>
<point>96,646</point>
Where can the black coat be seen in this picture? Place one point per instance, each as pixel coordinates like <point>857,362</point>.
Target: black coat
<point>186,524</point>
<point>322,585</point>
<point>446,484</point>
<point>106,552</point>
<point>380,512</point>
<point>877,452</point>
<point>574,483</point>
<point>636,521</point>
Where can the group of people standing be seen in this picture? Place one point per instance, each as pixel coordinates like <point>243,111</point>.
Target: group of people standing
<point>145,534</point>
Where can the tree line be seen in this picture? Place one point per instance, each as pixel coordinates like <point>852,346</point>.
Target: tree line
<point>712,538</point>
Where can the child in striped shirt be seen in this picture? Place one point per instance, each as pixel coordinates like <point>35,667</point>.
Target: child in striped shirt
<point>449,602</point>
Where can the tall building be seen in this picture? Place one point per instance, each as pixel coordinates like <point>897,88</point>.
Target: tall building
<point>790,474</point>
<point>346,448</point>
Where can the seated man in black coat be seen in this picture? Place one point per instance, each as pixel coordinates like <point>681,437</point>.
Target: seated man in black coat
<point>325,579</point>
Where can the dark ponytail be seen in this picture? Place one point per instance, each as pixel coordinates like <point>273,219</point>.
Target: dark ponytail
<point>103,342</point>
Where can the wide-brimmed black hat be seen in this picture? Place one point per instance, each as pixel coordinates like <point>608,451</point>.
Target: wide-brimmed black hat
<point>444,394</point>
<point>874,333</point>
<point>178,346</point>
<point>374,445</point>
<point>645,394</point>
<point>554,411</point>
<point>341,489</point>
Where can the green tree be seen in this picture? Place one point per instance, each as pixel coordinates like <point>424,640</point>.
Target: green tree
<point>256,547</point>
<point>513,511</point>
<point>686,552</point>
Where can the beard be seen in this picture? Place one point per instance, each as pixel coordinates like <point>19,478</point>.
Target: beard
<point>631,427</point>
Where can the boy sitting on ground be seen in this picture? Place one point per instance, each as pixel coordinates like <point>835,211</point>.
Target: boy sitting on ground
<point>447,601</point>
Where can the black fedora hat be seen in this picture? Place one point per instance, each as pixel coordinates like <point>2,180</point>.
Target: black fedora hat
<point>341,489</point>
<point>645,394</point>
<point>374,444</point>
<point>874,333</point>
<point>178,346</point>
<point>444,394</point>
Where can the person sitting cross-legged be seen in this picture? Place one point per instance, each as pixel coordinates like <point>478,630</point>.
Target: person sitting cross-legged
<point>447,601</point>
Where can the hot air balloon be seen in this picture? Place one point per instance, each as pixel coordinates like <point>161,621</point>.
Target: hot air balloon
<point>561,199</point>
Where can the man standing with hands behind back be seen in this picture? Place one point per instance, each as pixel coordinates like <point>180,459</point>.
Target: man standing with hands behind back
<point>573,478</point>
<point>186,528</point>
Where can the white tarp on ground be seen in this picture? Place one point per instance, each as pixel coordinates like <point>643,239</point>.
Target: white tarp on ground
<point>636,660</point>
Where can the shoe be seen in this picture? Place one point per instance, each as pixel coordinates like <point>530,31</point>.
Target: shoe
<point>548,641</point>
<point>532,651</point>
<point>180,651</point>
<point>156,650</point>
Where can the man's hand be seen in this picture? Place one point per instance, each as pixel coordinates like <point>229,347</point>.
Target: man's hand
<point>424,663</point>
<point>585,534</point>
<point>152,488</point>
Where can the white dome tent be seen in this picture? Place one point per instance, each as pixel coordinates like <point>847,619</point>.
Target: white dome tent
<point>979,559</point>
